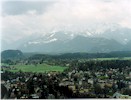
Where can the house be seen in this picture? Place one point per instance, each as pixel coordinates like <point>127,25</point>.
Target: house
<point>1,72</point>
<point>90,81</point>
<point>34,96</point>
<point>129,85</point>
<point>72,87</point>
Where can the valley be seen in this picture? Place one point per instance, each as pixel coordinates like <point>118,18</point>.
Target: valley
<point>65,76</point>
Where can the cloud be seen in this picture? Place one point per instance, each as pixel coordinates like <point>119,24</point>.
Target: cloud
<point>21,19</point>
<point>21,7</point>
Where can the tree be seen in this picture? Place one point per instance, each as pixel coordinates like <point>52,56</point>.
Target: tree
<point>98,89</point>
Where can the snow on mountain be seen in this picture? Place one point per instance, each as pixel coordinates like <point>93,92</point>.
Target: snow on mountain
<point>111,39</point>
<point>52,35</point>
<point>122,35</point>
<point>52,40</point>
<point>35,42</point>
<point>77,44</point>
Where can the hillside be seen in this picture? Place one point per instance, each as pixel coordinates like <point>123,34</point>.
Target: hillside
<point>11,54</point>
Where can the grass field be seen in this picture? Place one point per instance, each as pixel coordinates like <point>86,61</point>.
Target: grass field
<point>40,68</point>
<point>104,59</point>
<point>115,58</point>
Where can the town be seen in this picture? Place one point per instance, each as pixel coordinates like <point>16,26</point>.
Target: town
<point>82,79</point>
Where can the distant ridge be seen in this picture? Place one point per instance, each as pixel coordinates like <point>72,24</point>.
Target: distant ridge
<point>11,54</point>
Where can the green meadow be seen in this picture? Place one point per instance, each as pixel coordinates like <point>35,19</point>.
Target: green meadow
<point>115,58</point>
<point>40,68</point>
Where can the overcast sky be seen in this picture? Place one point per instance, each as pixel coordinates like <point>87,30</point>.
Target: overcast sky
<point>23,18</point>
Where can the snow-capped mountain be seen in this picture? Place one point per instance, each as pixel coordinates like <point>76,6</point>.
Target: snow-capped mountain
<point>51,37</point>
<point>111,39</point>
<point>121,35</point>
<point>77,44</point>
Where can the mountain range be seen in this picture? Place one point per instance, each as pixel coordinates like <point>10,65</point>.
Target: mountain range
<point>112,39</point>
<point>65,42</point>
